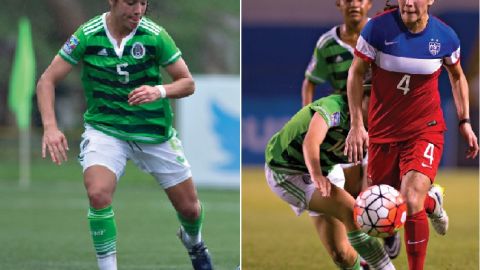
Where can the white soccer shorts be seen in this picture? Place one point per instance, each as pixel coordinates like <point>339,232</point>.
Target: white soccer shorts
<point>297,189</point>
<point>166,161</point>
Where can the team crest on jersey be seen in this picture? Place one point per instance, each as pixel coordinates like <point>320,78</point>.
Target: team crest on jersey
<point>71,44</point>
<point>434,46</point>
<point>335,119</point>
<point>138,50</point>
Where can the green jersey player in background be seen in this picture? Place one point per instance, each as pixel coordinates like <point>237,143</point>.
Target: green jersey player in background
<point>128,116</point>
<point>299,160</point>
<point>331,59</point>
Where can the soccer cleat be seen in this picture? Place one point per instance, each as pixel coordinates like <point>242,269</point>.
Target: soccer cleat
<point>198,253</point>
<point>392,245</point>
<point>438,217</point>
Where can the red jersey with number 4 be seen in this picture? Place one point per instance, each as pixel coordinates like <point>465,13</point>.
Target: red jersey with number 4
<point>405,100</point>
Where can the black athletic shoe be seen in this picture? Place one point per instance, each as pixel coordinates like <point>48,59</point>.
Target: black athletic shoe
<point>392,245</point>
<point>198,253</point>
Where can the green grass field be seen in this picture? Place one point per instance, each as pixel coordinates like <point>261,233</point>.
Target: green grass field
<point>274,238</point>
<point>45,226</point>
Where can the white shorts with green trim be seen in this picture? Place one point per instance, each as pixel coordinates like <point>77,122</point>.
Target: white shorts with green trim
<point>297,189</point>
<point>165,161</point>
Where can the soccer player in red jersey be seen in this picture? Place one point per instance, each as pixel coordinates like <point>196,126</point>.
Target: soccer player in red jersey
<point>406,48</point>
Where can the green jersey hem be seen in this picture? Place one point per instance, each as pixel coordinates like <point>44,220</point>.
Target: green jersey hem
<point>123,137</point>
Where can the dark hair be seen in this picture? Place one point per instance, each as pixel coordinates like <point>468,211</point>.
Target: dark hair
<point>146,9</point>
<point>389,6</point>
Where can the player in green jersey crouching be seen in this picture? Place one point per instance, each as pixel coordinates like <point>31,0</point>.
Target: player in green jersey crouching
<point>128,116</point>
<point>299,159</point>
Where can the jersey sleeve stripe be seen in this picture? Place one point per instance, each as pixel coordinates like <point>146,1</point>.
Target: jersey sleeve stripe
<point>90,31</point>
<point>323,113</point>
<point>313,78</point>
<point>365,48</point>
<point>172,59</point>
<point>364,57</point>
<point>93,25</point>
<point>407,64</point>
<point>453,59</point>
<point>67,57</point>
<point>150,29</point>
<point>152,25</point>
<point>92,22</point>
<point>324,39</point>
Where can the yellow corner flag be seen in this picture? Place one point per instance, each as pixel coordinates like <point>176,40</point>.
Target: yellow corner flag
<point>22,80</point>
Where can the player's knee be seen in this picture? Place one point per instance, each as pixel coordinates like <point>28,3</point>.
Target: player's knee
<point>99,198</point>
<point>414,200</point>
<point>190,211</point>
<point>346,217</point>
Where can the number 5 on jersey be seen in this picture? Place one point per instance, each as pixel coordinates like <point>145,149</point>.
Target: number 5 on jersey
<point>404,84</point>
<point>124,73</point>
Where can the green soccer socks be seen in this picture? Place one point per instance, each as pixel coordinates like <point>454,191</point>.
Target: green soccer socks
<point>370,249</point>
<point>192,227</point>
<point>103,230</point>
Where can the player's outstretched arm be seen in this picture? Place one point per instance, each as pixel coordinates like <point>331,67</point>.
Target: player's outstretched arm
<point>460,95</point>
<point>181,86</point>
<point>308,90</point>
<point>311,152</point>
<point>357,139</point>
<point>53,140</point>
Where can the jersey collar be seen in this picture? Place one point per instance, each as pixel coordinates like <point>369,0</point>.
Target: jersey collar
<point>118,49</point>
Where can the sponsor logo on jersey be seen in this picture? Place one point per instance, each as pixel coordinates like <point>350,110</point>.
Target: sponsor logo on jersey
<point>71,44</point>
<point>388,43</point>
<point>335,119</point>
<point>138,50</point>
<point>434,46</point>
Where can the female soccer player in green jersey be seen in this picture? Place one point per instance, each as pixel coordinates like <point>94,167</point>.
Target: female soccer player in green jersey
<point>299,159</point>
<point>128,116</point>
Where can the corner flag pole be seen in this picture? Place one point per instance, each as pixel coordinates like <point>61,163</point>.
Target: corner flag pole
<point>22,83</point>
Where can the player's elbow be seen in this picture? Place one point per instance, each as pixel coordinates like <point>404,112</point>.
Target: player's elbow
<point>190,86</point>
<point>44,82</point>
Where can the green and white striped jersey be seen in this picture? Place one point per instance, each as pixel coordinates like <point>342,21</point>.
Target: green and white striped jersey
<point>284,152</point>
<point>111,71</point>
<point>330,61</point>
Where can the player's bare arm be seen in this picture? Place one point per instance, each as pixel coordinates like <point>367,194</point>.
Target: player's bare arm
<point>357,139</point>
<point>311,152</point>
<point>308,89</point>
<point>460,95</point>
<point>182,85</point>
<point>53,140</point>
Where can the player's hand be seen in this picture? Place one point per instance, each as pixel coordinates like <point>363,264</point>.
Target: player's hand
<point>356,144</point>
<point>55,142</point>
<point>471,139</point>
<point>143,94</point>
<point>323,185</point>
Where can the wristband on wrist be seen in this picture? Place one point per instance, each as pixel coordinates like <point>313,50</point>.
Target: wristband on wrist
<point>161,89</point>
<point>463,121</point>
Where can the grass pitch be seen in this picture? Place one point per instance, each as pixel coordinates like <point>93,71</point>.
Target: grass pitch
<point>45,226</point>
<point>274,238</point>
